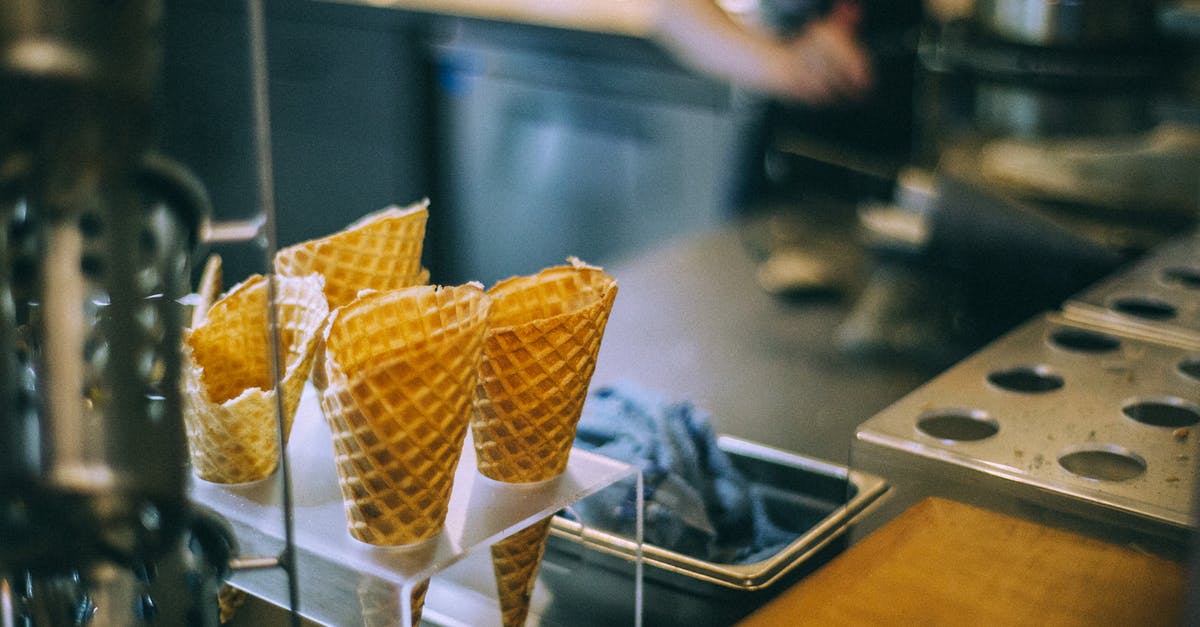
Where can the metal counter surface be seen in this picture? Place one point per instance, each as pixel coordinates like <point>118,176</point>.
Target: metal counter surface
<point>691,322</point>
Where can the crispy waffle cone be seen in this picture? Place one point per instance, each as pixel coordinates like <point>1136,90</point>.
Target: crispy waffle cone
<point>229,601</point>
<point>400,369</point>
<point>515,562</point>
<point>381,252</point>
<point>538,361</point>
<point>379,602</point>
<point>229,399</point>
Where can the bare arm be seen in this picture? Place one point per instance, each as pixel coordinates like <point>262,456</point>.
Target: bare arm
<point>822,64</point>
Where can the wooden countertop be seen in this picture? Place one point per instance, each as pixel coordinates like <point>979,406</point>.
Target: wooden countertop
<point>945,563</point>
<point>620,17</point>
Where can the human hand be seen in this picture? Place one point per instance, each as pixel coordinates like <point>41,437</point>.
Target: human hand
<point>824,63</point>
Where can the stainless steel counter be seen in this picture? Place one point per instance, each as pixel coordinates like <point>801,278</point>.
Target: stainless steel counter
<point>690,321</point>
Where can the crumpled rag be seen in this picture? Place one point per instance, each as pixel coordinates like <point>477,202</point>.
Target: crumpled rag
<point>695,501</point>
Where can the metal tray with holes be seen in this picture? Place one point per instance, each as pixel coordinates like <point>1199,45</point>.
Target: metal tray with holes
<point>1069,416</point>
<point>1158,297</point>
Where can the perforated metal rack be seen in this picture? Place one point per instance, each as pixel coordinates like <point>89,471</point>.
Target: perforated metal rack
<point>1088,418</point>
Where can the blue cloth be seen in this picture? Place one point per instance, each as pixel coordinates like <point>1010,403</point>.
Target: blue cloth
<point>696,502</point>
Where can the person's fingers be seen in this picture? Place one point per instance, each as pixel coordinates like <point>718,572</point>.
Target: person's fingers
<point>833,59</point>
<point>815,79</point>
<point>851,58</point>
<point>847,14</point>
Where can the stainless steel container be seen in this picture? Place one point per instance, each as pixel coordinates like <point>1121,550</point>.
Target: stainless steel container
<point>817,500</point>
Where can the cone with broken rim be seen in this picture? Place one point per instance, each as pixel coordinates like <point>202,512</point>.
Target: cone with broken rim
<point>229,394</point>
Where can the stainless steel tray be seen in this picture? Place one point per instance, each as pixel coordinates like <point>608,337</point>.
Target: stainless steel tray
<point>816,499</point>
<point>1074,418</point>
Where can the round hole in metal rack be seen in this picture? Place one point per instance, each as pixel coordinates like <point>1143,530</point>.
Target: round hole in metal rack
<point>958,425</point>
<point>1182,276</point>
<point>1026,379</point>
<point>1103,462</point>
<point>1143,307</point>
<point>1190,367</point>
<point>1165,411</point>
<point>1082,341</point>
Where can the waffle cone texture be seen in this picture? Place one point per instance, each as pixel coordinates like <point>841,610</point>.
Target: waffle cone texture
<point>229,601</point>
<point>538,361</point>
<point>515,563</point>
<point>382,251</point>
<point>229,392</point>
<point>399,376</point>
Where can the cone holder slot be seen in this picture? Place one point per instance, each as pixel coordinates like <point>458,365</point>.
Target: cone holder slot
<point>333,565</point>
<point>1157,297</point>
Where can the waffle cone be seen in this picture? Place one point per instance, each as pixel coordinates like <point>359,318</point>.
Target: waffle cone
<point>400,370</point>
<point>380,605</point>
<point>229,399</point>
<point>515,562</point>
<point>382,251</point>
<point>538,361</point>
<point>229,601</point>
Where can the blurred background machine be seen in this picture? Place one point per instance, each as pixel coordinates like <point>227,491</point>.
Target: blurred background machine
<point>95,244</point>
<point>1049,143</point>
<point>1086,108</point>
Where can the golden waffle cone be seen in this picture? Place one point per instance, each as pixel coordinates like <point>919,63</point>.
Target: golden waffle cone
<point>380,602</point>
<point>229,399</point>
<point>538,361</point>
<point>400,370</point>
<point>382,251</point>
<point>229,601</point>
<point>515,562</point>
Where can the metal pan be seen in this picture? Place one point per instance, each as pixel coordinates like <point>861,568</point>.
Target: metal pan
<point>816,499</point>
